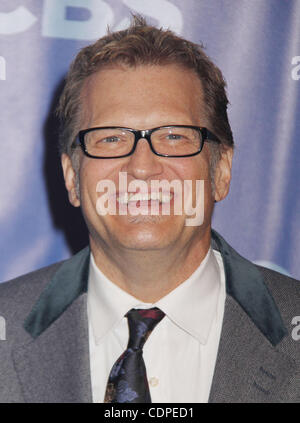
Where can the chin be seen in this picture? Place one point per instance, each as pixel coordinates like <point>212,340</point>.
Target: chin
<point>140,219</point>
<point>143,233</point>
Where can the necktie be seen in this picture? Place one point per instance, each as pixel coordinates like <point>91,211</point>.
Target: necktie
<point>127,380</point>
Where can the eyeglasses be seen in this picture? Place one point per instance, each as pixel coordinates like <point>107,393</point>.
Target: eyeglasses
<point>166,141</point>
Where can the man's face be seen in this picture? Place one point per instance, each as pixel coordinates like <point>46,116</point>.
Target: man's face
<point>142,98</point>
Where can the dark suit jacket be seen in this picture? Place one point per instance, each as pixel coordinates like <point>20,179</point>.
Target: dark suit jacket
<point>45,357</point>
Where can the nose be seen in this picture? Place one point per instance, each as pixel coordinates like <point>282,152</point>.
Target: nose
<point>143,163</point>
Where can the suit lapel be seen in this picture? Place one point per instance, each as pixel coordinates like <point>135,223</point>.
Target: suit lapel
<point>249,367</point>
<point>54,366</point>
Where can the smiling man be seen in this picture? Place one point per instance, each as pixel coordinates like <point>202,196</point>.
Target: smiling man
<point>147,256</point>
<point>155,309</point>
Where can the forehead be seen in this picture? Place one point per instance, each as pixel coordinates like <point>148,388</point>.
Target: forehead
<point>143,93</point>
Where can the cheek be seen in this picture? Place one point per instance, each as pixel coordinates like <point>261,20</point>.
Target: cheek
<point>88,177</point>
<point>92,171</point>
<point>196,167</point>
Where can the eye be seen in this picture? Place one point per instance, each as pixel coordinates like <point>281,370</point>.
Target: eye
<point>109,139</point>
<point>174,137</point>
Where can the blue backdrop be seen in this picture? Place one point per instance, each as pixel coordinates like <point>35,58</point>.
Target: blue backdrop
<point>256,43</point>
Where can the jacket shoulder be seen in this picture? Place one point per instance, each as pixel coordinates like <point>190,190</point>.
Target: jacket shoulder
<point>285,291</point>
<point>19,294</point>
<point>280,284</point>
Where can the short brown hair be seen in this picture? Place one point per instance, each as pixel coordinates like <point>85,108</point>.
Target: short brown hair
<point>142,44</point>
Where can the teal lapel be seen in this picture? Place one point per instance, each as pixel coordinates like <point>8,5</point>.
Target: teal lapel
<point>246,285</point>
<point>68,283</point>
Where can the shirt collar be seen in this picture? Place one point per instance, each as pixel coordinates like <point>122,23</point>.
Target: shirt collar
<point>191,306</point>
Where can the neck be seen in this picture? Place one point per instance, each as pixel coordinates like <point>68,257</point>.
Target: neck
<point>149,275</point>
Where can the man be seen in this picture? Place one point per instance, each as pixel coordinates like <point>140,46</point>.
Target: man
<point>149,106</point>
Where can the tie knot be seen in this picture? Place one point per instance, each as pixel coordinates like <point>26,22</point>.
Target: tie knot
<point>141,323</point>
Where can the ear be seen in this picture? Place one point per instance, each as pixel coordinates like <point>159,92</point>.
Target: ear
<point>70,179</point>
<point>223,174</point>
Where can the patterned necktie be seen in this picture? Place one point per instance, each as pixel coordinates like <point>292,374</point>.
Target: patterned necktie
<point>127,380</point>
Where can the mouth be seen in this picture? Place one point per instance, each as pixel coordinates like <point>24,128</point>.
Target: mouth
<point>144,198</point>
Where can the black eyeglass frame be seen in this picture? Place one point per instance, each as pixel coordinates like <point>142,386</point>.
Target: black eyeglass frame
<point>146,134</point>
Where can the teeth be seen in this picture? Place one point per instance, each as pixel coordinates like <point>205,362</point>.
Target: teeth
<point>154,196</point>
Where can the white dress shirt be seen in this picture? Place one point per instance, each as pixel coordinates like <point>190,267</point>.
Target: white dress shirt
<point>180,354</point>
